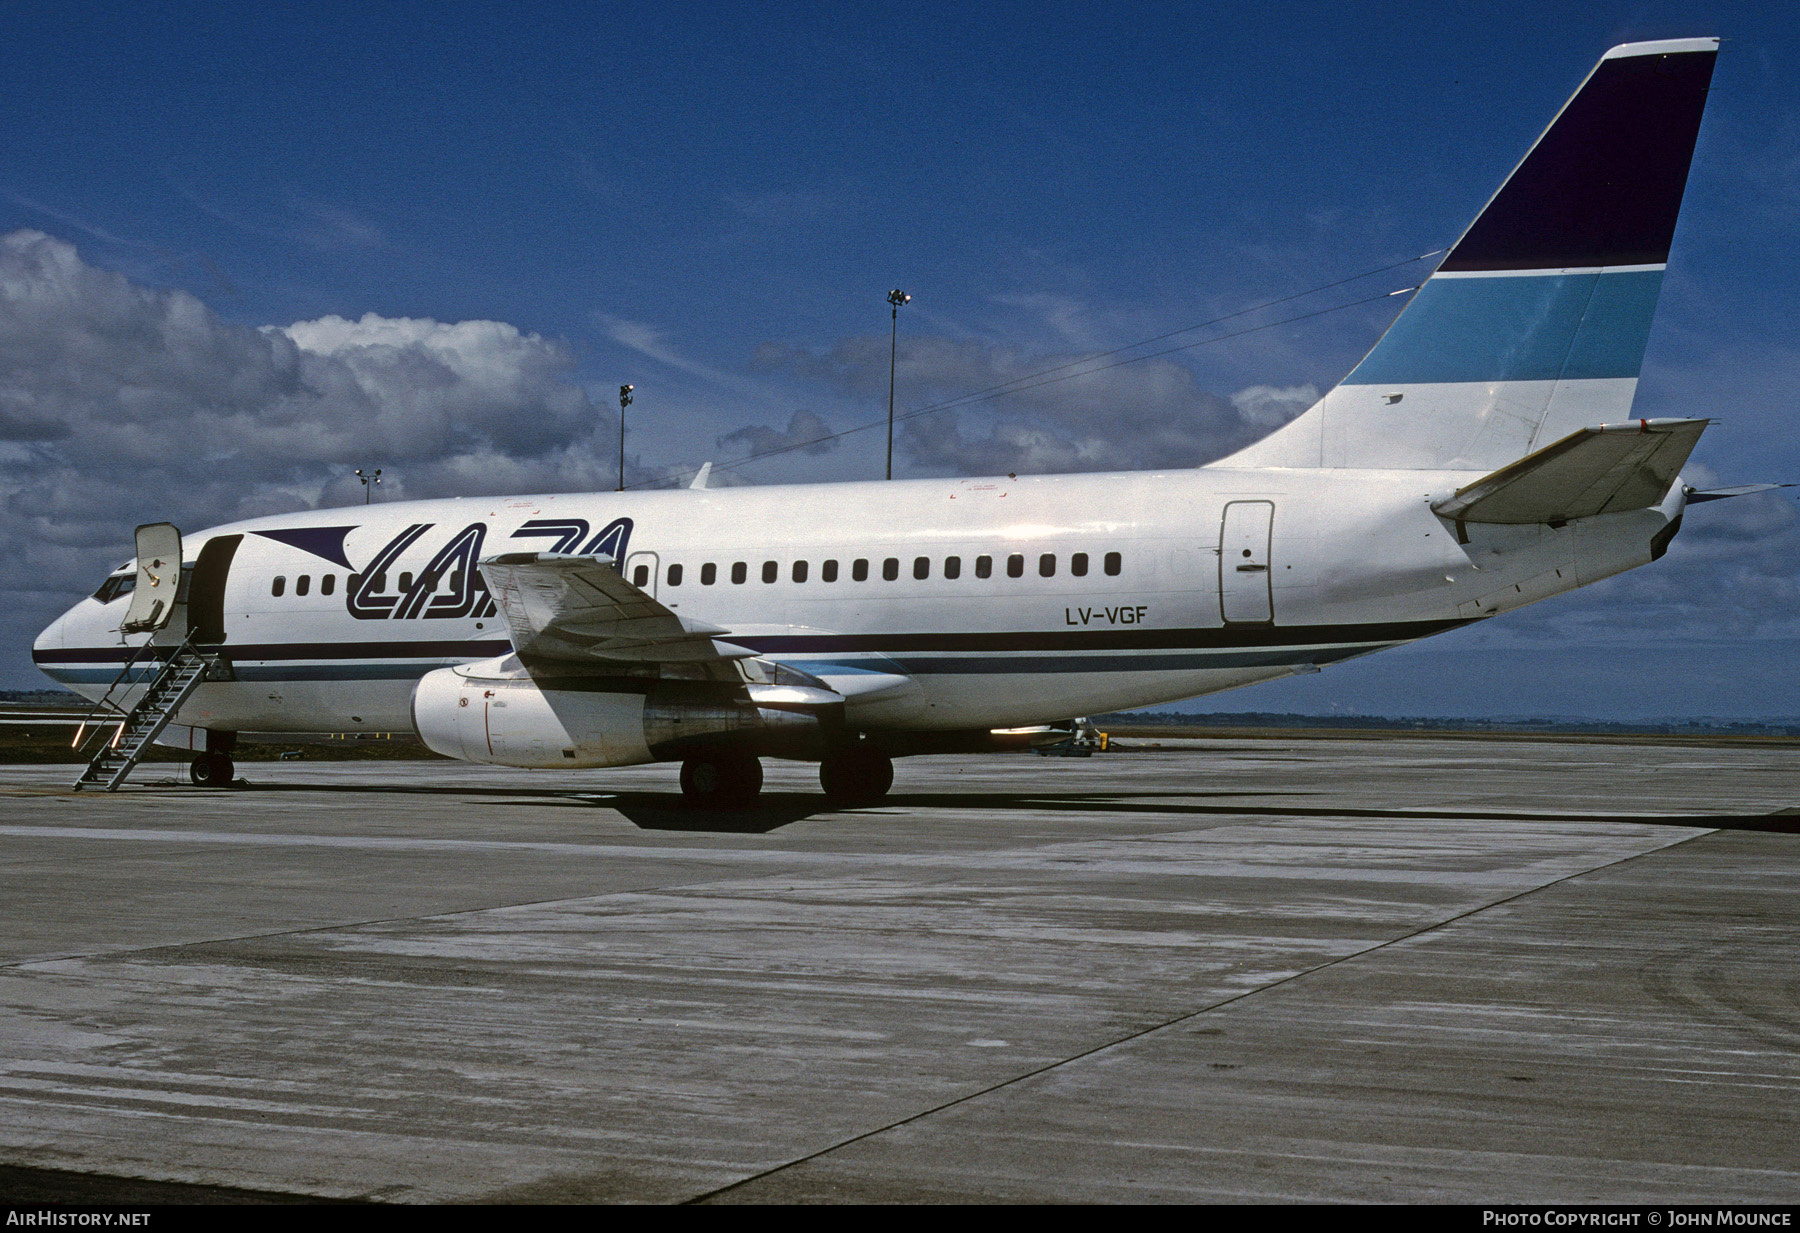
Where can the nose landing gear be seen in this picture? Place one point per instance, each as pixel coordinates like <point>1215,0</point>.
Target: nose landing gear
<point>212,770</point>
<point>721,779</point>
<point>856,776</point>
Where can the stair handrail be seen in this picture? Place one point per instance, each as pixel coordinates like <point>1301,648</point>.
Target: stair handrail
<point>118,711</point>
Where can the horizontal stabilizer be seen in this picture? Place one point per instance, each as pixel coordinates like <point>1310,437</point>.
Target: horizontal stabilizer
<point>1605,470</point>
<point>579,609</point>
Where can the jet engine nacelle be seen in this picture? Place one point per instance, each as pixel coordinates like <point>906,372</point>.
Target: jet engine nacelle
<point>494,712</point>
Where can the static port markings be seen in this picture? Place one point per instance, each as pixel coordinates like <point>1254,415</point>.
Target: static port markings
<point>1128,615</point>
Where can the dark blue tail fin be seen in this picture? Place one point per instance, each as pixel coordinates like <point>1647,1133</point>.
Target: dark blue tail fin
<point>1535,324</point>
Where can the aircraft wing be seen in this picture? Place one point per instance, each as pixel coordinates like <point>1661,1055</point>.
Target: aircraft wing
<point>1605,470</point>
<point>579,609</point>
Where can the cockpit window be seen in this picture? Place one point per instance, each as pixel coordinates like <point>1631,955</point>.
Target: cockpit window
<point>115,586</point>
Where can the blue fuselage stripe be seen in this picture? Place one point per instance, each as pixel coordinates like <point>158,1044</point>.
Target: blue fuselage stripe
<point>914,665</point>
<point>919,654</point>
<point>917,666</point>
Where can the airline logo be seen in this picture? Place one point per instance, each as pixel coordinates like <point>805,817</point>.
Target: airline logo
<point>450,585</point>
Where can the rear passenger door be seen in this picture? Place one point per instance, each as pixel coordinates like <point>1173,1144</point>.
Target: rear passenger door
<point>1244,541</point>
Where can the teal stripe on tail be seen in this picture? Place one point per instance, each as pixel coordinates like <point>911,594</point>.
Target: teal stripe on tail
<point>1535,324</point>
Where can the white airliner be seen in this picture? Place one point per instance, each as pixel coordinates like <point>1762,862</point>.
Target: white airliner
<point>1480,458</point>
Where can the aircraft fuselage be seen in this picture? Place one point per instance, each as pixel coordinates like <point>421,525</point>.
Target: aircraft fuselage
<point>961,603</point>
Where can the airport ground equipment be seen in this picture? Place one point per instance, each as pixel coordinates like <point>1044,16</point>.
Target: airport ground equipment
<point>177,677</point>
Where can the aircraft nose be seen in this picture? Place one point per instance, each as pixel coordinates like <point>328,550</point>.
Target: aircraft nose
<point>55,636</point>
<point>56,650</point>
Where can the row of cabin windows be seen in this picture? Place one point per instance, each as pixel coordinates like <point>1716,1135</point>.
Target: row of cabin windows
<point>303,584</point>
<point>771,572</point>
<point>328,583</point>
<point>952,568</point>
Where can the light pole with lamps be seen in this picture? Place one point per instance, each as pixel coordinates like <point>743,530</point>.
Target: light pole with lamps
<point>369,480</point>
<point>624,401</point>
<point>896,297</point>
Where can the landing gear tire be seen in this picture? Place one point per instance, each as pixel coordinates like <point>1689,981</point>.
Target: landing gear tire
<point>856,776</point>
<point>723,780</point>
<point>212,770</point>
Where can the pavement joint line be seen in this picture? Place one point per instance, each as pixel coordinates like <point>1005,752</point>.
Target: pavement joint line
<point>13,964</point>
<point>1072,802</point>
<point>301,931</point>
<point>801,858</point>
<point>1154,1028</point>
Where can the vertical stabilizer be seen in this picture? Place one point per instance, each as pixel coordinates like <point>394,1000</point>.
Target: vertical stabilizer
<point>1535,323</point>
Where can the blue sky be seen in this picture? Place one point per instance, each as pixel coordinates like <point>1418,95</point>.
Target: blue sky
<point>711,202</point>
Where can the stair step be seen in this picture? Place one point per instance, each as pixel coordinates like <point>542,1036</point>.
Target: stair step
<point>169,685</point>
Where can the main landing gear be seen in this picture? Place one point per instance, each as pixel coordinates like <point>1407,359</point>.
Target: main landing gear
<point>731,779</point>
<point>856,776</point>
<point>721,779</point>
<point>212,770</point>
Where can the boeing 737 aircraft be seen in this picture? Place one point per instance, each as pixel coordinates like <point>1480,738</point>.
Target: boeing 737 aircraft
<point>1480,458</point>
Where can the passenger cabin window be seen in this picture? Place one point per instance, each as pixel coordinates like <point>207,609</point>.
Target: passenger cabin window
<point>952,567</point>
<point>278,587</point>
<point>921,567</point>
<point>303,584</point>
<point>1047,565</point>
<point>674,575</point>
<point>640,577</point>
<point>1015,566</point>
<point>799,571</point>
<point>739,571</point>
<point>406,582</point>
<point>859,570</point>
<point>984,567</point>
<point>828,571</point>
<point>1112,563</point>
<point>327,584</point>
<point>709,574</point>
<point>456,581</point>
<point>770,571</point>
<point>890,569</point>
<point>380,582</point>
<point>1078,565</point>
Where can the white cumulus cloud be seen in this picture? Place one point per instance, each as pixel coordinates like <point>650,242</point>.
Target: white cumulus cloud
<point>1054,415</point>
<point>121,404</point>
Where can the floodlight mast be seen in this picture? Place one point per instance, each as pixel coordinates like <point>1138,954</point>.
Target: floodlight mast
<point>369,480</point>
<point>896,297</point>
<point>624,401</point>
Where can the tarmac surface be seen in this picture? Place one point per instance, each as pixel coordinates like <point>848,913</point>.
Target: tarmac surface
<point>1287,969</point>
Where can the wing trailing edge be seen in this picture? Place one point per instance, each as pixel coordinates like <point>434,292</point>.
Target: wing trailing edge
<point>578,609</point>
